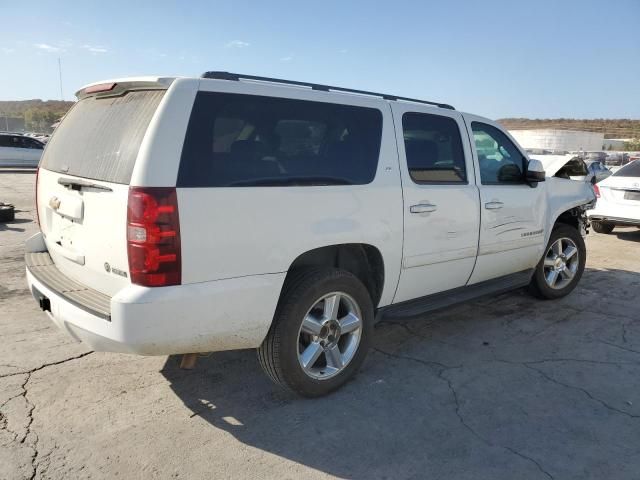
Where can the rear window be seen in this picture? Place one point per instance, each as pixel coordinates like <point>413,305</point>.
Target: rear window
<point>100,137</point>
<point>236,140</point>
<point>629,170</point>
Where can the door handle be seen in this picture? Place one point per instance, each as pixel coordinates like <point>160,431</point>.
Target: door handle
<point>493,205</point>
<point>423,208</point>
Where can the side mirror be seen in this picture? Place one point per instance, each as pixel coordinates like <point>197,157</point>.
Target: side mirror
<point>535,172</point>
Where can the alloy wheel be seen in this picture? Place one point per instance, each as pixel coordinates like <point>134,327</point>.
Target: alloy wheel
<point>561,263</point>
<point>329,336</point>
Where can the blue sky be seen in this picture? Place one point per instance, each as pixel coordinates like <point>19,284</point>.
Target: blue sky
<point>533,59</point>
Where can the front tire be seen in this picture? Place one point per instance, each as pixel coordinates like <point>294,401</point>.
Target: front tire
<point>562,264</point>
<point>320,334</point>
<point>602,227</point>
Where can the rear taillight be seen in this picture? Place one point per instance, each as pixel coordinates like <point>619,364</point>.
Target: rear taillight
<point>596,190</point>
<point>37,212</point>
<point>153,237</point>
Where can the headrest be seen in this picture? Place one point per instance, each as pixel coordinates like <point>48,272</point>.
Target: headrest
<point>248,149</point>
<point>423,152</point>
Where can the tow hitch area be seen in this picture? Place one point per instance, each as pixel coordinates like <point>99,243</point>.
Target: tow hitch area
<point>43,301</point>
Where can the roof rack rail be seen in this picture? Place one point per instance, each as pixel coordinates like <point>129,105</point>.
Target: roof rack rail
<point>315,86</point>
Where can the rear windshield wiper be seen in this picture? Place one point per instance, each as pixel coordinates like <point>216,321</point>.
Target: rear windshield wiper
<point>74,184</point>
<point>290,181</point>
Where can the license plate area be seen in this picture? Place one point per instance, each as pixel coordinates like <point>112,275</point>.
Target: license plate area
<point>632,195</point>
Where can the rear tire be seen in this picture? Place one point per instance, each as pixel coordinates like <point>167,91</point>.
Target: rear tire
<point>7,212</point>
<point>562,264</point>
<point>320,334</point>
<point>602,227</point>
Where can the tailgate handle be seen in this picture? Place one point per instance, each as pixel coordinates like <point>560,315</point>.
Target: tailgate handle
<point>68,254</point>
<point>78,184</point>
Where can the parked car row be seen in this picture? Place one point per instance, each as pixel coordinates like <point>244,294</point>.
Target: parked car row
<point>607,158</point>
<point>17,150</point>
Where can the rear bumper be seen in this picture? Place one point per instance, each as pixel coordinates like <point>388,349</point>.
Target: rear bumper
<point>606,211</point>
<point>209,316</point>
<point>630,222</point>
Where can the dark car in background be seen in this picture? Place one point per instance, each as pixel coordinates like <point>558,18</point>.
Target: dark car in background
<point>617,159</point>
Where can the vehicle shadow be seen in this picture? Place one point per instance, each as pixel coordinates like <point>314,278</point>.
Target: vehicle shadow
<point>631,235</point>
<point>9,225</point>
<point>30,170</point>
<point>402,417</point>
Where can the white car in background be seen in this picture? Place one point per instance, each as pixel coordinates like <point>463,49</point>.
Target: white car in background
<point>19,151</point>
<point>618,200</point>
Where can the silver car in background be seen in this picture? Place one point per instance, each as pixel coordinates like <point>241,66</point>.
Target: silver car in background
<point>17,150</point>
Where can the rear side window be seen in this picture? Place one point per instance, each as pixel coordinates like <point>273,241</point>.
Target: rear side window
<point>236,140</point>
<point>433,148</point>
<point>631,169</point>
<point>100,137</point>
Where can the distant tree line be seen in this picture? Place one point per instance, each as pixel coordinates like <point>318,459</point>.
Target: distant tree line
<point>633,145</point>
<point>611,128</point>
<point>37,115</point>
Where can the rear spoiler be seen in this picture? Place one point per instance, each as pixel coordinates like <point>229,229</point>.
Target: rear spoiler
<point>117,87</point>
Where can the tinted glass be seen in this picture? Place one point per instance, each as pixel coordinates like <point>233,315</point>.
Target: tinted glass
<point>500,160</point>
<point>573,168</point>
<point>631,169</point>
<point>100,137</point>
<point>433,148</point>
<point>31,143</point>
<point>14,141</point>
<point>246,140</point>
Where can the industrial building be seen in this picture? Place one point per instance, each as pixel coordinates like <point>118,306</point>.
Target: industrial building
<point>554,139</point>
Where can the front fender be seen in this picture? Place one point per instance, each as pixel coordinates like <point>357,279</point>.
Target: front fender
<point>564,195</point>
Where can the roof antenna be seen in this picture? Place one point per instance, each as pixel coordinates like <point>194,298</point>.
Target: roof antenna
<point>60,78</point>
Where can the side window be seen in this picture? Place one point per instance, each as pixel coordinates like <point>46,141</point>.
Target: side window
<point>500,160</point>
<point>433,147</point>
<point>5,141</point>
<point>27,142</point>
<point>236,140</point>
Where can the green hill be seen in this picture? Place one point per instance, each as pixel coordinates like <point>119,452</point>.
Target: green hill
<point>612,128</point>
<point>31,115</point>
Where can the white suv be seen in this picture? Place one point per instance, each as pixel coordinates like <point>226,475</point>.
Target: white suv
<point>183,215</point>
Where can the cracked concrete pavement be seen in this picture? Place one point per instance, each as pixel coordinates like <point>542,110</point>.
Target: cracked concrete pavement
<point>505,387</point>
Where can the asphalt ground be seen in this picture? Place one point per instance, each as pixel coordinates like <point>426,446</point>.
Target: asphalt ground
<point>507,387</point>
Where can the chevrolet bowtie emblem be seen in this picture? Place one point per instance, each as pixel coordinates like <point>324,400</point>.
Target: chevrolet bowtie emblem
<point>54,203</point>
